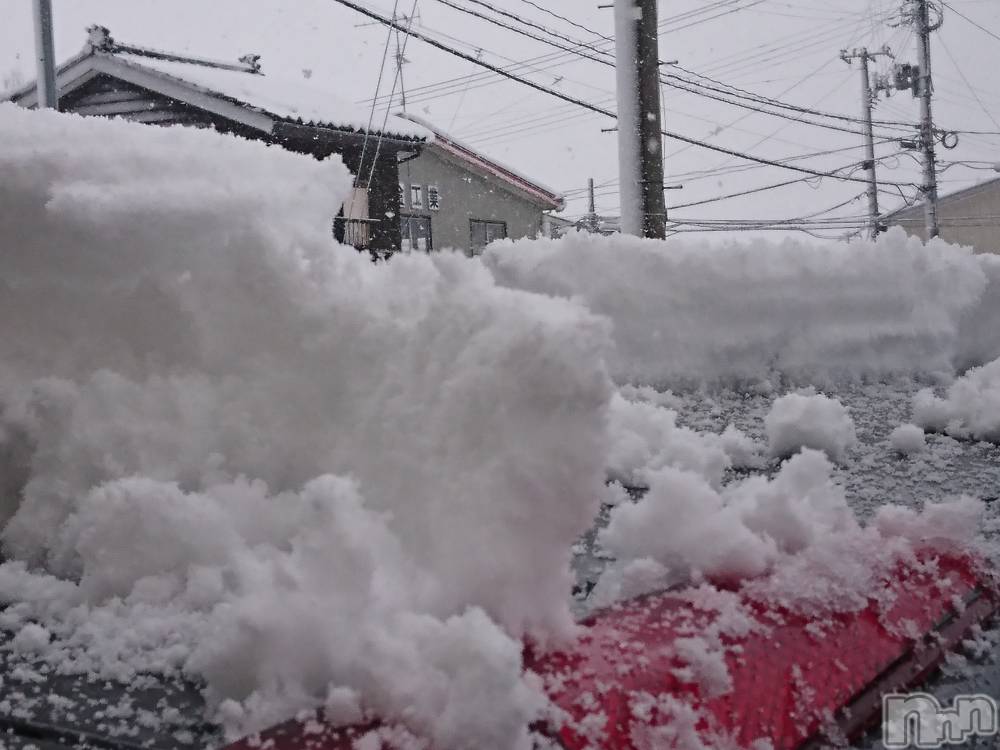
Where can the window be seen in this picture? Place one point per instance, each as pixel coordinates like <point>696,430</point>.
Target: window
<point>433,198</point>
<point>484,232</point>
<point>415,232</point>
<point>416,196</point>
<point>402,195</point>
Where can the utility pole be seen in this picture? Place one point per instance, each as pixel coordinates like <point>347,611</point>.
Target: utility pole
<point>400,62</point>
<point>45,54</point>
<point>591,220</point>
<point>640,136</point>
<point>926,91</point>
<point>866,110</point>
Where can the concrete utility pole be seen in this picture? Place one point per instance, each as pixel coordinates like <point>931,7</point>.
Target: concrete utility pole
<point>45,54</point>
<point>866,110</point>
<point>640,136</point>
<point>591,221</point>
<point>926,91</point>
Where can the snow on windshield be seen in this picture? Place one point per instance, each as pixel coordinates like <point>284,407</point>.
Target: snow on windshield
<point>235,450</point>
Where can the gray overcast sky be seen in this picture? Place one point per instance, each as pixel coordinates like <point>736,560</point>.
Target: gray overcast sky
<point>781,48</point>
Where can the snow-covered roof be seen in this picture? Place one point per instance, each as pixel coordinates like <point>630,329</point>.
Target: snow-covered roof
<point>283,98</point>
<point>548,198</point>
<point>242,84</point>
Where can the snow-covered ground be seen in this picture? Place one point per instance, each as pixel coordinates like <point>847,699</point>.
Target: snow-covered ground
<point>236,455</point>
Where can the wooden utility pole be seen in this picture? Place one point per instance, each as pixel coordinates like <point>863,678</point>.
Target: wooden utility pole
<point>866,110</point>
<point>46,56</point>
<point>640,136</point>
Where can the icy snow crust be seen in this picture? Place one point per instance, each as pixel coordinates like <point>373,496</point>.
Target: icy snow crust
<point>234,451</point>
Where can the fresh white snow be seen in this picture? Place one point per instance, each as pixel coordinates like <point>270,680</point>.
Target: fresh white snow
<point>273,464</point>
<point>299,100</point>
<point>969,410</point>
<point>233,449</point>
<point>908,439</point>
<point>689,311</point>
<point>809,420</point>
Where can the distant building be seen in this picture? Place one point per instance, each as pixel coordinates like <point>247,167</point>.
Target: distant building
<point>111,79</point>
<point>451,196</point>
<point>968,217</point>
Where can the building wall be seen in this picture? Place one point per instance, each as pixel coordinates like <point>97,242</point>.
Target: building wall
<point>970,218</point>
<point>464,196</point>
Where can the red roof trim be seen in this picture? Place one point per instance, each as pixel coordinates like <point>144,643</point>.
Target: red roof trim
<point>552,201</point>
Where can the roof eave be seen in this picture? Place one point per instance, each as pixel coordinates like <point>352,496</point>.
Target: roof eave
<point>29,90</point>
<point>287,126</point>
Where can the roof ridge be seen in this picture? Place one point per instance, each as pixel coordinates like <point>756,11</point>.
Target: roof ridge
<point>100,40</point>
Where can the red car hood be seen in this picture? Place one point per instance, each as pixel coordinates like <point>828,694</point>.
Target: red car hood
<point>627,683</point>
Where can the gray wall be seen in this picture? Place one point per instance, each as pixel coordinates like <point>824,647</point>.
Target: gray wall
<point>464,195</point>
<point>969,218</point>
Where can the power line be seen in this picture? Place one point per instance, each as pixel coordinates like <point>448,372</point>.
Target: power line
<point>587,105</point>
<point>760,110</point>
<point>737,91</point>
<point>529,23</point>
<point>575,49</point>
<point>694,176</point>
<point>969,85</point>
<point>741,193</point>
<point>398,78</point>
<point>567,20</point>
<point>963,16</point>
<point>497,22</point>
<point>371,114</point>
<point>550,60</point>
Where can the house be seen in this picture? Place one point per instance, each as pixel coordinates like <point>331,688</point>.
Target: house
<point>558,226</point>
<point>451,196</point>
<point>111,79</point>
<point>968,217</point>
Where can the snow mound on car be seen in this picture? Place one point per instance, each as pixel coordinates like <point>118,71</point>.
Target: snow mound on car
<point>908,439</point>
<point>809,420</point>
<point>969,410</point>
<point>245,452</point>
<point>733,312</point>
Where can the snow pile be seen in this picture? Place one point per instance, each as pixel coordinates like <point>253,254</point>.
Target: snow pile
<point>645,438</point>
<point>691,310</point>
<point>908,439</point>
<point>793,536</point>
<point>809,420</point>
<point>970,410</point>
<point>695,530</point>
<point>244,452</point>
<point>979,334</point>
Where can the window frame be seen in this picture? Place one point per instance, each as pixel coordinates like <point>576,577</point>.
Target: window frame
<point>430,231</point>
<point>419,203</point>
<point>473,250</point>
